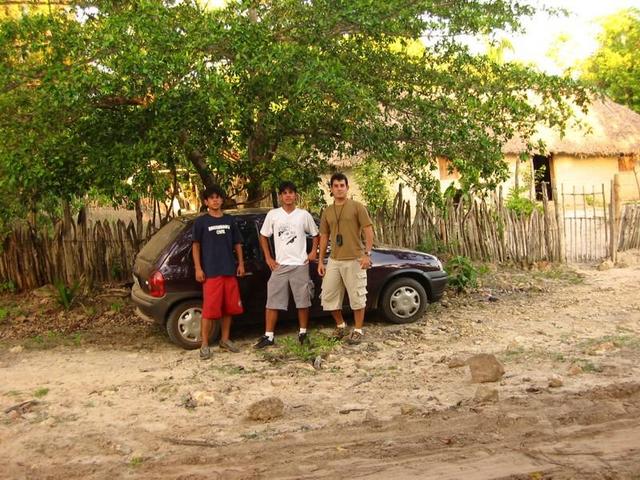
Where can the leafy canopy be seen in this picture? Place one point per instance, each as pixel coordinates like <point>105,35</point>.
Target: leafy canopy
<point>615,66</point>
<point>108,96</point>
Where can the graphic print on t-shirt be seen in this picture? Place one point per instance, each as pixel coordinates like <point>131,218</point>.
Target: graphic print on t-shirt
<point>287,234</point>
<point>217,237</point>
<point>289,231</point>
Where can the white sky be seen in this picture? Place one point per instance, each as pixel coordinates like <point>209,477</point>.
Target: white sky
<point>581,26</point>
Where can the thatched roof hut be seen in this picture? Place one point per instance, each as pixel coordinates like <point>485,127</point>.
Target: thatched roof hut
<point>607,129</point>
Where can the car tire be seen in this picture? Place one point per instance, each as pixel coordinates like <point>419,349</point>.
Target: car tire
<point>183,325</point>
<point>404,300</point>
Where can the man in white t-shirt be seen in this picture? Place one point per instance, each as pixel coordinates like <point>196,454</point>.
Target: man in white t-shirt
<point>289,227</point>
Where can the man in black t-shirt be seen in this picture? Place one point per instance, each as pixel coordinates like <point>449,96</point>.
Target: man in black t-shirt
<point>215,237</point>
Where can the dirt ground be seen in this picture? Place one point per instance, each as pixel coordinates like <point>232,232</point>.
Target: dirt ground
<point>95,393</point>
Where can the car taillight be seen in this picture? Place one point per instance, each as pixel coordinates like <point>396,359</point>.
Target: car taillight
<point>156,285</point>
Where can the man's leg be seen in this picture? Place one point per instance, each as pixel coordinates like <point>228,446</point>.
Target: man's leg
<point>232,305</point>
<point>358,318</point>
<point>270,320</point>
<point>337,316</point>
<point>277,299</point>
<point>225,328</point>
<point>355,280</point>
<point>303,317</point>
<point>205,330</point>
<point>212,292</point>
<point>333,295</point>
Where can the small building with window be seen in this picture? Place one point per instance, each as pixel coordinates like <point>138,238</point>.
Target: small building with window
<point>594,147</point>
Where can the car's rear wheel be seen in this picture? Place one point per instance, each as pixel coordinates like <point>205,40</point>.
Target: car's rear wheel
<point>403,300</point>
<point>183,325</point>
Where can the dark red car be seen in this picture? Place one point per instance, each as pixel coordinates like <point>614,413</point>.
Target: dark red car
<point>400,282</point>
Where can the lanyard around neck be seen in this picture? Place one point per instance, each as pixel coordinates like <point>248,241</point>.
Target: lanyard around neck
<point>338,216</point>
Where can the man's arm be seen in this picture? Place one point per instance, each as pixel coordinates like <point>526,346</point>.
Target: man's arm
<point>264,244</point>
<point>238,248</point>
<point>324,241</point>
<point>195,253</point>
<point>365,261</point>
<point>314,249</point>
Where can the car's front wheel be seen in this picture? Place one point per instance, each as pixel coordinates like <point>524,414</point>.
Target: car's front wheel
<point>403,300</point>
<point>183,325</point>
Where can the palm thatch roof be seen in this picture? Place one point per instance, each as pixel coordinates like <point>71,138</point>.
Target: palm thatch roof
<point>607,129</point>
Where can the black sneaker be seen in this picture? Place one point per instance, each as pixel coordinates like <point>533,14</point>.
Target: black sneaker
<point>264,342</point>
<point>303,338</point>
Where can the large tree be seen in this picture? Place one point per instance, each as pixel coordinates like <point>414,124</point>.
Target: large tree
<point>615,66</point>
<point>107,93</point>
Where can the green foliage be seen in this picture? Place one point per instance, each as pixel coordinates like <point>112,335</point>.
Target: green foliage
<point>374,185</point>
<point>433,246</point>
<point>7,287</point>
<point>615,66</point>
<point>561,273</point>
<point>109,99</point>
<point>462,273</point>
<point>51,339</point>
<point>116,269</point>
<point>65,294</point>
<point>41,392</point>
<point>4,314</point>
<point>290,349</point>
<point>117,306</point>
<point>521,205</point>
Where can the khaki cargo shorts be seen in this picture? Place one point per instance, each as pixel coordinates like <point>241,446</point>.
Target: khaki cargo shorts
<point>284,277</point>
<point>344,275</point>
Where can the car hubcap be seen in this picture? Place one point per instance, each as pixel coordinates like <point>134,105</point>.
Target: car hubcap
<point>189,324</point>
<point>404,302</point>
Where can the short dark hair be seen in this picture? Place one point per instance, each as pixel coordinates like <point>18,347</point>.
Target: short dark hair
<point>338,176</point>
<point>213,190</point>
<point>287,186</point>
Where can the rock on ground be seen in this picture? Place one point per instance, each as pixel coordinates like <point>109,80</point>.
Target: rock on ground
<point>485,367</point>
<point>266,409</point>
<point>486,394</point>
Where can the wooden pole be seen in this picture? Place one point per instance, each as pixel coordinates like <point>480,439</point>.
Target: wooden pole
<point>615,216</point>
<point>561,255</point>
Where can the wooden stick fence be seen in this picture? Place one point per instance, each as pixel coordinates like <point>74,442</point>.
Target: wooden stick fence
<point>572,226</point>
<point>95,252</point>
<point>575,226</point>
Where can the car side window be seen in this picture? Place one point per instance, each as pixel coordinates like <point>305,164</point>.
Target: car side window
<point>250,245</point>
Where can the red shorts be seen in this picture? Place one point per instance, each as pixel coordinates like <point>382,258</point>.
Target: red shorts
<point>221,297</point>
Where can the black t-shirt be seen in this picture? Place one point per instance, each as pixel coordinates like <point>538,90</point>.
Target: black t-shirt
<point>217,237</point>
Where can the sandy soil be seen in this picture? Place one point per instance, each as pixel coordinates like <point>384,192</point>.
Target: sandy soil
<point>391,407</point>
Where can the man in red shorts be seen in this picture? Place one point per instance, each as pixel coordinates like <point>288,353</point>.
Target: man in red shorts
<point>215,237</point>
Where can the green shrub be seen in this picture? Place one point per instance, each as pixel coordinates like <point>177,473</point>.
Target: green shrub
<point>522,206</point>
<point>433,246</point>
<point>8,287</point>
<point>290,349</point>
<point>462,273</point>
<point>66,294</point>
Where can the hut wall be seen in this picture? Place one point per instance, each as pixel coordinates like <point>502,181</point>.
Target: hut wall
<point>579,172</point>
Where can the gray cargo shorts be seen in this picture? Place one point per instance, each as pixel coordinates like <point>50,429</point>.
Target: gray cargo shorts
<point>284,277</point>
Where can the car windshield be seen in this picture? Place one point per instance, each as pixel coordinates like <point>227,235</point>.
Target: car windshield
<point>165,236</point>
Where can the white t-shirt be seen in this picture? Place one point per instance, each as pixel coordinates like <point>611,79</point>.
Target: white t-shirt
<point>289,234</point>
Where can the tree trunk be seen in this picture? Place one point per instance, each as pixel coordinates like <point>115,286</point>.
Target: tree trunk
<point>197,160</point>
<point>139,224</point>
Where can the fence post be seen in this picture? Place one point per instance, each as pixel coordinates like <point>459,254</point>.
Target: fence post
<point>558,207</point>
<point>615,217</point>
